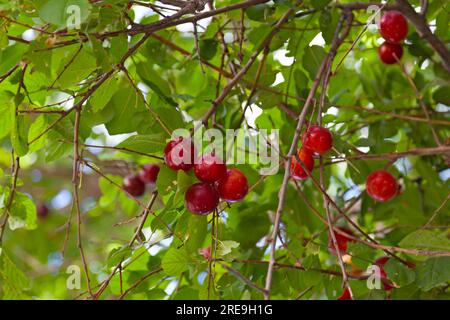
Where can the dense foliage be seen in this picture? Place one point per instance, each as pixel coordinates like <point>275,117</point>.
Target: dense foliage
<point>81,108</point>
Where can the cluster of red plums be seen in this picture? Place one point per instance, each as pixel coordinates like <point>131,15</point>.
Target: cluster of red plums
<point>394,29</point>
<point>135,184</point>
<point>316,140</point>
<point>216,180</point>
<point>380,185</point>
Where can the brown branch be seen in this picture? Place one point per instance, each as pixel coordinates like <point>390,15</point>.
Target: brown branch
<point>137,283</point>
<point>326,78</point>
<point>364,5</point>
<point>265,43</point>
<point>17,39</point>
<point>144,218</point>
<point>372,243</point>
<point>172,21</point>
<point>141,95</point>
<point>76,200</point>
<point>94,88</point>
<point>124,150</point>
<point>395,115</point>
<point>396,155</point>
<point>299,267</point>
<point>242,278</point>
<point>301,119</point>
<point>255,85</point>
<point>423,7</point>
<point>436,212</point>
<point>10,72</point>
<point>138,202</point>
<point>421,102</point>
<point>66,66</point>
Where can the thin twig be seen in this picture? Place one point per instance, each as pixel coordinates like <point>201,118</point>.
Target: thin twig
<point>138,282</point>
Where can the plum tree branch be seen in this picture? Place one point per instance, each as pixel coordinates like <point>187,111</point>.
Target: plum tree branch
<point>396,155</point>
<point>76,196</point>
<point>373,244</point>
<point>144,218</point>
<point>265,43</point>
<point>242,278</point>
<point>325,83</point>
<point>301,119</point>
<point>138,282</point>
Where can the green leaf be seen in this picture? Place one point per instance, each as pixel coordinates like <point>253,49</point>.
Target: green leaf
<point>176,261</point>
<point>22,213</point>
<point>126,105</point>
<point>328,22</point>
<point>10,56</point>
<point>19,135</point>
<point>426,240</point>
<point>38,126</point>
<point>364,142</point>
<point>399,273</point>
<point>55,147</point>
<point>301,81</point>
<point>319,4</point>
<point>64,13</point>
<point>6,113</point>
<point>433,272</point>
<point>153,143</point>
<point>197,230</point>
<point>103,94</point>
<point>109,193</point>
<point>184,181</point>
<point>165,181</point>
<point>312,59</point>
<point>15,283</point>
<point>442,24</point>
<point>170,117</point>
<point>259,12</point>
<point>442,95</point>
<point>118,255</point>
<point>76,67</point>
<point>225,247</point>
<point>156,83</point>
<point>208,49</point>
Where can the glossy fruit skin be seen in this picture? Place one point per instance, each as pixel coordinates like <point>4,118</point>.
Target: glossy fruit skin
<point>42,210</point>
<point>345,295</point>
<point>297,171</point>
<point>389,53</point>
<point>341,240</point>
<point>380,262</point>
<point>381,186</point>
<point>201,198</point>
<point>233,187</point>
<point>133,185</point>
<point>179,154</point>
<point>149,173</point>
<point>210,168</point>
<point>393,26</point>
<point>318,140</point>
